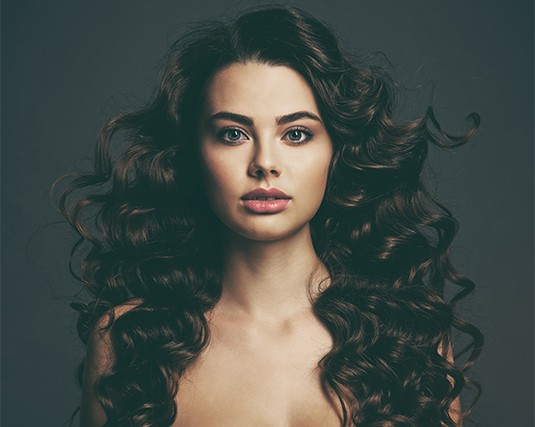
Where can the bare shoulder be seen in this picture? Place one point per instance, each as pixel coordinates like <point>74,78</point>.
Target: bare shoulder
<point>98,362</point>
<point>99,348</point>
<point>455,408</point>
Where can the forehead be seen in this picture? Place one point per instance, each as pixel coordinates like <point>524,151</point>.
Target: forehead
<point>259,90</point>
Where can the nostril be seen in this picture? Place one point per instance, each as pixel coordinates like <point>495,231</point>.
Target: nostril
<point>261,172</point>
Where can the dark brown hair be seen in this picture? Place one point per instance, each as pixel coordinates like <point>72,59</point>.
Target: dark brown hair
<point>149,234</point>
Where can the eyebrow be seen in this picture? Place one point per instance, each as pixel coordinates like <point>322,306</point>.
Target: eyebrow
<point>248,121</point>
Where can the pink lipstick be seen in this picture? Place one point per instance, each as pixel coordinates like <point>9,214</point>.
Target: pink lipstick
<point>266,201</point>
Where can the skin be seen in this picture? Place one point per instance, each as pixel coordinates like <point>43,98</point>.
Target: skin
<point>260,367</point>
<point>261,248</point>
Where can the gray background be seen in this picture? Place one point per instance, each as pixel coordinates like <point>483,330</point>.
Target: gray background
<point>67,65</point>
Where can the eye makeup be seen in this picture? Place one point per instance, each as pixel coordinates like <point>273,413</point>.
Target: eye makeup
<point>231,135</point>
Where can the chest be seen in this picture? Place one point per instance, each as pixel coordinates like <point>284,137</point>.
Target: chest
<point>243,381</point>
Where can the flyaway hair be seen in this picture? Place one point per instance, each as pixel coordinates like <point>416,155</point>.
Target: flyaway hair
<point>147,234</point>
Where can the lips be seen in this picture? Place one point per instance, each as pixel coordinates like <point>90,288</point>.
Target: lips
<point>266,194</point>
<point>263,201</point>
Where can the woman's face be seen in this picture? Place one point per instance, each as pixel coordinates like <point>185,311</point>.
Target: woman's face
<point>260,129</point>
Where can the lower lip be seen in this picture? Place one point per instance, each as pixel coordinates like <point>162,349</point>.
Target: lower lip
<point>266,206</point>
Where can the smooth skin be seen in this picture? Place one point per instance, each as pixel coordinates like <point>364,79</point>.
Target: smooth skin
<point>260,127</point>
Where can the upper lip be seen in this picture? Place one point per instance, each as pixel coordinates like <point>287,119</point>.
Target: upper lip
<point>263,192</point>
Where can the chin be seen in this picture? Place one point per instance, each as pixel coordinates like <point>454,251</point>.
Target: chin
<point>269,232</point>
<point>267,236</point>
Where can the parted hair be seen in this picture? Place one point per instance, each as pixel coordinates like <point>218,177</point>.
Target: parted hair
<point>147,233</point>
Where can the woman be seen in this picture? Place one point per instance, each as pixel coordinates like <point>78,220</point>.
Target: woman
<point>262,249</point>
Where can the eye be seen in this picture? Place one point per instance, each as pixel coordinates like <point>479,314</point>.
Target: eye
<point>299,135</point>
<point>232,135</point>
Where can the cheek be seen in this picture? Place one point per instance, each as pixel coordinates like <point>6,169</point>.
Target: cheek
<point>219,176</point>
<point>314,170</point>
<point>215,175</point>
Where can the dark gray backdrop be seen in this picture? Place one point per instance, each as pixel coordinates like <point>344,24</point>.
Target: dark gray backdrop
<point>67,65</point>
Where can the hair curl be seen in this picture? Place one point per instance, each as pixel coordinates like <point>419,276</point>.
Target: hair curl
<point>150,235</point>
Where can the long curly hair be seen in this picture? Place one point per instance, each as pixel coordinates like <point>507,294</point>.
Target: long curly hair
<point>147,233</point>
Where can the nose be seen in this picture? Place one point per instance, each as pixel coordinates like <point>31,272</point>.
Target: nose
<point>264,162</point>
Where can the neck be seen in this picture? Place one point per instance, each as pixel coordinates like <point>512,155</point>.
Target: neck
<point>270,280</point>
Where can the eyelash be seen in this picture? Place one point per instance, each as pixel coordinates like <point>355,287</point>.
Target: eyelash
<point>307,134</point>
